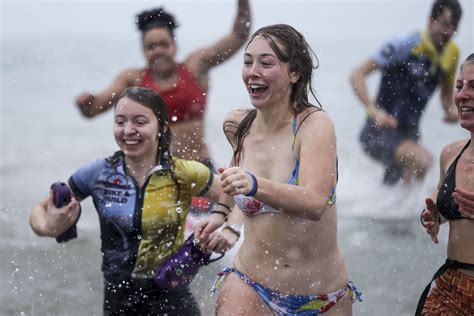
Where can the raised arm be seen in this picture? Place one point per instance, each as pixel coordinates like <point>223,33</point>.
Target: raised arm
<point>358,78</point>
<point>205,58</point>
<point>91,105</point>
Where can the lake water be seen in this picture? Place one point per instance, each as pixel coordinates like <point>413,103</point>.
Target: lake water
<point>53,50</point>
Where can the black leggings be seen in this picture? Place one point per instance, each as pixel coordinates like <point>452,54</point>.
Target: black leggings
<point>132,298</point>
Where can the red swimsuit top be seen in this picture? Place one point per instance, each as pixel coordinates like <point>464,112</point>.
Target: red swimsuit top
<point>185,101</point>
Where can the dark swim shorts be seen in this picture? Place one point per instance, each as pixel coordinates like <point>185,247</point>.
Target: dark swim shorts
<point>143,297</point>
<point>382,143</point>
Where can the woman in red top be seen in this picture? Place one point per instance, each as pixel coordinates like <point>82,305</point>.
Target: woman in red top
<point>183,86</point>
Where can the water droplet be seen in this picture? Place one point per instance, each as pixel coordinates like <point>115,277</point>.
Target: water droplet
<point>174,118</point>
<point>179,210</point>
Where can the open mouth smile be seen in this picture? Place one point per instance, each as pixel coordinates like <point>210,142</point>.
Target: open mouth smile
<point>256,89</point>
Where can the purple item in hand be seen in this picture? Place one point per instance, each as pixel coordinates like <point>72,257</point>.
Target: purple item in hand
<point>61,197</point>
<point>180,268</point>
<point>61,194</point>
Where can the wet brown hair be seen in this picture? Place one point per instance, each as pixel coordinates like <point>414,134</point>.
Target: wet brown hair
<point>291,47</point>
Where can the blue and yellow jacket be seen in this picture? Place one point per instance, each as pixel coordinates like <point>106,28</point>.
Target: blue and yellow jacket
<point>139,227</point>
<point>412,68</point>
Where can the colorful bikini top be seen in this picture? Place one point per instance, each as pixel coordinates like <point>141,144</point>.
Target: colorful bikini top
<point>444,201</point>
<point>250,206</point>
<point>185,101</point>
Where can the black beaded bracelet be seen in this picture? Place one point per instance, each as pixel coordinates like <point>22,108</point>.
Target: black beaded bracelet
<point>220,212</point>
<point>225,206</point>
<point>232,229</point>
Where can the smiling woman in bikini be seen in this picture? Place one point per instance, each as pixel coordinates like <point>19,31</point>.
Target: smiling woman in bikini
<point>283,178</point>
<point>453,202</point>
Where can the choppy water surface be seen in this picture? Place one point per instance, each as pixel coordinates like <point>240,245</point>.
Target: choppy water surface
<point>52,51</point>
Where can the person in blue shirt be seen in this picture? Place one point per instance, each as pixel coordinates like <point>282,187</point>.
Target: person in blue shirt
<point>412,67</point>
<point>142,195</point>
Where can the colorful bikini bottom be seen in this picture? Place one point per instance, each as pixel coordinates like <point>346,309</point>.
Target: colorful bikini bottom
<point>289,304</point>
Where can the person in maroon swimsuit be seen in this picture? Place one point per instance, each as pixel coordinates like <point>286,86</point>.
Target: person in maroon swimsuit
<point>182,85</point>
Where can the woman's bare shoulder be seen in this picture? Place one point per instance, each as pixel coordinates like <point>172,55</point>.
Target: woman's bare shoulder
<point>236,116</point>
<point>314,119</point>
<point>231,124</point>
<point>451,150</point>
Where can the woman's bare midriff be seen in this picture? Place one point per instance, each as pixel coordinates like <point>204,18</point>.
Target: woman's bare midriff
<point>307,261</point>
<point>461,235</point>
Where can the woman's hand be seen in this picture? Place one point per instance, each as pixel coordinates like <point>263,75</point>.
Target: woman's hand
<point>236,181</point>
<point>58,220</point>
<point>205,227</point>
<point>430,219</point>
<point>465,200</point>
<point>84,103</point>
<point>382,119</point>
<point>221,241</point>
